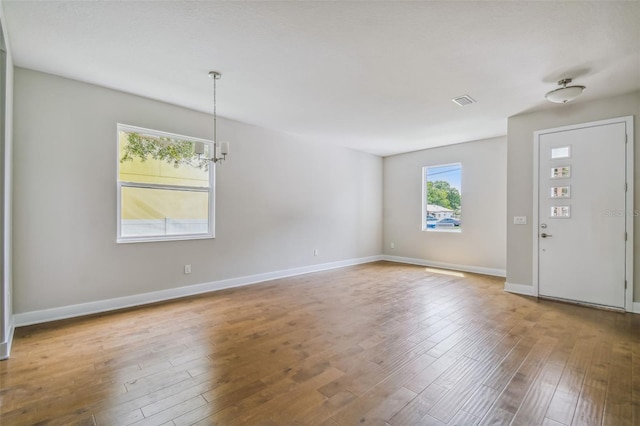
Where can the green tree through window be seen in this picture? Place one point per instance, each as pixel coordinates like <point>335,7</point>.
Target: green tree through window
<point>441,193</point>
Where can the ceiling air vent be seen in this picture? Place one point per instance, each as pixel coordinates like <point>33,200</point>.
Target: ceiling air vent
<point>464,100</point>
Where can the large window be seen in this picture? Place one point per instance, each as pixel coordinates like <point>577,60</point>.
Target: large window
<point>165,190</point>
<point>441,198</point>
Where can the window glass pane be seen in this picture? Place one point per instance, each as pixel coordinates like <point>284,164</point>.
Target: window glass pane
<point>560,152</point>
<point>442,206</point>
<point>153,212</point>
<point>161,160</point>
<point>561,211</point>
<point>561,172</point>
<point>560,192</point>
<point>166,189</point>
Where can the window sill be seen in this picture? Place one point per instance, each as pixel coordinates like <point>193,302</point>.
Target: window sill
<point>153,239</point>
<point>446,230</point>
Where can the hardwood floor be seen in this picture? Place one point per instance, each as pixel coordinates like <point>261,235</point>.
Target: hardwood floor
<point>376,344</point>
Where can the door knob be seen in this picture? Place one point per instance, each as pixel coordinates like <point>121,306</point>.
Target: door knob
<point>545,235</point>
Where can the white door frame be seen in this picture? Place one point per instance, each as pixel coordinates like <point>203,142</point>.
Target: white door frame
<point>629,213</point>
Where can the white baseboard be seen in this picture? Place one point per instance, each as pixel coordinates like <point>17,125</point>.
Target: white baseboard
<point>523,289</point>
<point>64,312</point>
<point>5,347</point>
<point>442,265</point>
<point>636,308</point>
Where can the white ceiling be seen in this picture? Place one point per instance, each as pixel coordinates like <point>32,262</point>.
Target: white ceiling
<point>373,76</point>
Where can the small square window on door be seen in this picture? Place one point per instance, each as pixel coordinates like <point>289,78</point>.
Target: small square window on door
<point>560,192</point>
<point>560,172</point>
<point>560,212</point>
<point>560,152</point>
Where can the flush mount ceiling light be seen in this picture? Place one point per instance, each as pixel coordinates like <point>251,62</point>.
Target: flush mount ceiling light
<point>564,94</point>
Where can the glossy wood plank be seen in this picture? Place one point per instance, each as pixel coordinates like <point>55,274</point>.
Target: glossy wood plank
<point>376,344</point>
<point>563,403</point>
<point>533,408</point>
<point>462,418</point>
<point>507,404</point>
<point>413,412</point>
<point>618,408</point>
<point>635,375</point>
<point>591,404</point>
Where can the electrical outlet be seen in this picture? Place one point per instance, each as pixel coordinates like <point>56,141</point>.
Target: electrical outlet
<point>187,269</point>
<point>315,252</point>
<point>393,245</point>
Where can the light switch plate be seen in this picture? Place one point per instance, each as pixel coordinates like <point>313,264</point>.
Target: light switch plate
<point>519,220</point>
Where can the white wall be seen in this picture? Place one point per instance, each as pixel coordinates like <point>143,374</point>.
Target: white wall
<point>278,199</point>
<point>520,174</point>
<point>481,244</point>
<point>6,316</point>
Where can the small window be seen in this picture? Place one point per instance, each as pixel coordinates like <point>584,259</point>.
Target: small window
<point>560,212</point>
<point>561,152</point>
<point>165,189</point>
<point>442,201</point>
<point>560,172</point>
<point>560,192</point>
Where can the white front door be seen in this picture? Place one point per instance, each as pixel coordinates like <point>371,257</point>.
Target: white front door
<point>582,213</point>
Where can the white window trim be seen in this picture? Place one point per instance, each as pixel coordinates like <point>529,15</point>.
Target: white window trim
<point>424,227</point>
<point>120,184</point>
